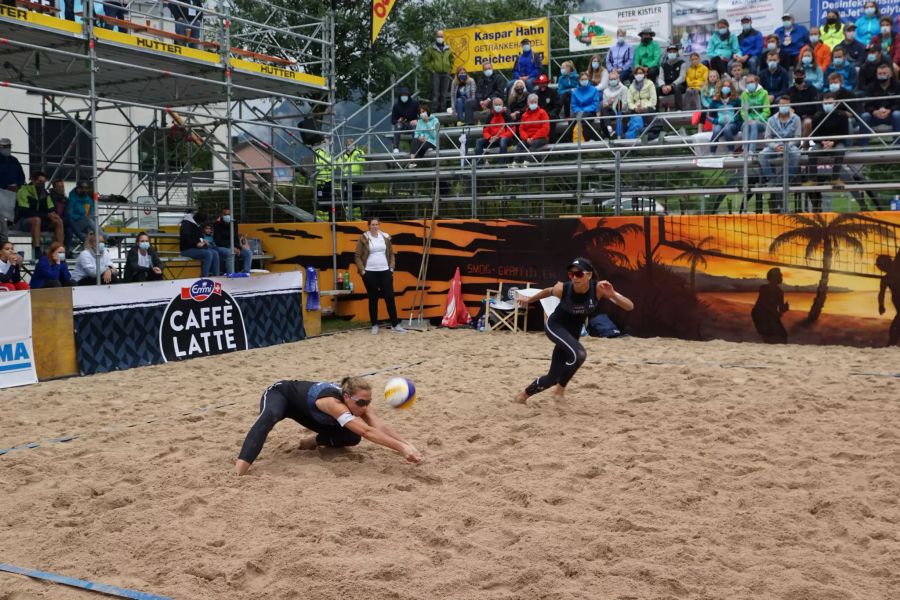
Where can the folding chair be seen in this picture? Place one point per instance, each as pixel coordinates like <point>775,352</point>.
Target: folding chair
<point>503,313</point>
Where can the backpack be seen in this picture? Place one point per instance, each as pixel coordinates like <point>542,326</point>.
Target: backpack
<point>602,326</point>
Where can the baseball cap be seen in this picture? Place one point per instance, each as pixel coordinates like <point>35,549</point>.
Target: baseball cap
<point>582,264</point>
<point>5,142</point>
<point>745,19</point>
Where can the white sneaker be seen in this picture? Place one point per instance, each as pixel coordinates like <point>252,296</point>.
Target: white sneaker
<point>524,165</point>
<point>399,329</point>
<point>374,329</point>
<point>512,165</point>
<point>413,165</point>
<point>396,150</point>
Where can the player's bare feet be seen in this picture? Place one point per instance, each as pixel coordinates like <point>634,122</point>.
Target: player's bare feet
<point>309,444</point>
<point>559,392</point>
<point>521,398</point>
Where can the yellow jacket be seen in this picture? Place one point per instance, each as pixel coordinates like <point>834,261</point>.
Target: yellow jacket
<point>696,76</point>
<point>832,37</point>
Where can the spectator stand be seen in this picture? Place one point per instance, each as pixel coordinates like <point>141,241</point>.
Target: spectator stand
<point>157,113</point>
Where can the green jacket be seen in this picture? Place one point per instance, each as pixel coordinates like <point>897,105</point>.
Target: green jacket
<point>323,165</point>
<point>755,106</point>
<point>647,56</point>
<point>30,204</point>
<point>354,161</point>
<point>438,60</point>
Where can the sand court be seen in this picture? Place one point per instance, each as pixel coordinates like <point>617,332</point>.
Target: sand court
<point>673,469</point>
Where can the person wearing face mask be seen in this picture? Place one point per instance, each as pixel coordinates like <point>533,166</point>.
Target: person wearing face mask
<point>887,42</point>
<point>811,71</point>
<point>11,269</point>
<point>613,105</point>
<point>804,98</point>
<point>782,130</point>
<point>35,211</point>
<point>548,99</point>
<point>565,85</point>
<point>497,133</point>
<point>620,58</point>
<point>829,125</point>
<point>490,87</point>
<point>670,82</point>
<point>648,54</point>
<point>840,65</point>
<point>404,114</point>
<point>726,115</point>
<point>528,66</point>
<point>723,47</point>
<point>820,52</point>
<point>142,263</point>
<point>881,108</point>
<point>846,98</point>
<point>792,37</point>
<point>868,24</point>
<point>93,259</point>
<point>79,212</point>
<point>754,110</point>
<point>438,60</point>
<point>773,44</point>
<point>642,94</point>
<point>585,104</point>
<point>192,244</point>
<point>462,90</point>
<point>853,49</point>
<point>12,176</point>
<point>774,78</point>
<point>51,269</point>
<point>833,31</point>
<point>354,157</point>
<point>534,131</point>
<point>597,73</point>
<point>225,229</point>
<point>710,90</point>
<point>751,42</point>
<point>517,101</point>
<point>868,72</point>
<point>425,136</point>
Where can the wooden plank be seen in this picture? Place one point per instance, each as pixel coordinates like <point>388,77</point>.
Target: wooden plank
<point>53,333</point>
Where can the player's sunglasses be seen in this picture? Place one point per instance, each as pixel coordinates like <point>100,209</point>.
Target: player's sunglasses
<point>576,274</point>
<point>360,402</point>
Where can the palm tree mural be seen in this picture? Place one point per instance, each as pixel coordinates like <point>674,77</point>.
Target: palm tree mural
<point>601,243</point>
<point>694,254</point>
<point>829,236</point>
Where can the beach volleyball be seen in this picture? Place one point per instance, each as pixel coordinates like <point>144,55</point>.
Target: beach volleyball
<point>400,392</point>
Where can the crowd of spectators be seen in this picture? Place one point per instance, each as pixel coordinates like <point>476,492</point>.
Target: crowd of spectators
<point>759,87</point>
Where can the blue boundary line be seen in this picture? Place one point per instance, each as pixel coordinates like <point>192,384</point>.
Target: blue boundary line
<point>109,590</point>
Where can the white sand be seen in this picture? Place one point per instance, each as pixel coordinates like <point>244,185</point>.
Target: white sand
<point>649,481</point>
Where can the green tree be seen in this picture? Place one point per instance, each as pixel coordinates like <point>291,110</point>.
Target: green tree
<point>694,254</point>
<point>827,235</point>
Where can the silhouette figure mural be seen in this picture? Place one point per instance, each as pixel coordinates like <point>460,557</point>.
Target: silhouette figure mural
<point>769,307</point>
<point>890,281</point>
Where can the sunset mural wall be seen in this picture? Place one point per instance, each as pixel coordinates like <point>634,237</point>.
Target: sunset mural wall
<point>694,277</point>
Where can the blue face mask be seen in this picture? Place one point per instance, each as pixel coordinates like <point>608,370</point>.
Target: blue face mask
<point>834,87</point>
<point>101,247</point>
<point>723,30</point>
<point>872,57</point>
<point>462,76</point>
<point>404,98</point>
<point>595,64</point>
<point>583,82</point>
<point>746,26</point>
<point>784,109</point>
<point>144,245</point>
<point>564,71</point>
<point>726,90</point>
<point>226,218</point>
<point>787,24</point>
<point>838,62</point>
<point>672,55</point>
<point>498,109</point>
<point>526,48</point>
<point>620,41</point>
<point>806,60</point>
<point>828,107</point>
<point>533,106</point>
<point>773,65</point>
<point>751,87</point>
<point>488,72</point>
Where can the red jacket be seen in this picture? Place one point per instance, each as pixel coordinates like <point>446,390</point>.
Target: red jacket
<point>529,129</point>
<point>895,46</point>
<point>497,126</point>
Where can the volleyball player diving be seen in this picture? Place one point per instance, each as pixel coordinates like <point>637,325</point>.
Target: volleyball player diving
<point>579,299</point>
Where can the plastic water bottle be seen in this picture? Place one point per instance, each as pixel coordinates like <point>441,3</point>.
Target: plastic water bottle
<point>895,203</point>
<point>340,280</point>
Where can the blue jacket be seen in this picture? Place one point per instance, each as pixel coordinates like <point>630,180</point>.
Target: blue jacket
<point>866,28</point>
<point>777,83</point>
<point>11,172</point>
<point>726,48</point>
<point>427,129</point>
<point>799,38</point>
<point>528,64</point>
<point>847,71</point>
<point>566,83</point>
<point>75,206</point>
<point>585,99</point>
<point>751,43</point>
<point>44,271</point>
<point>727,111</point>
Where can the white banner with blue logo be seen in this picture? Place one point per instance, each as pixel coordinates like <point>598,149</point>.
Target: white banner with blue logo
<point>16,353</point>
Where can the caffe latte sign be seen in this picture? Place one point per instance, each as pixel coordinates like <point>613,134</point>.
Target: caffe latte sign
<point>203,320</point>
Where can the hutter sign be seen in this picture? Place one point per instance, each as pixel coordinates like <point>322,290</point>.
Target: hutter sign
<point>202,320</point>
<point>124,326</point>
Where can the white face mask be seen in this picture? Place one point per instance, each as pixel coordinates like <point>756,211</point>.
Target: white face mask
<point>595,64</point>
<point>613,83</point>
<point>564,71</point>
<point>526,48</point>
<point>813,38</point>
<point>61,256</point>
<point>620,40</point>
<point>488,72</point>
<point>532,105</point>
<point>439,40</point>
<point>498,109</point>
<point>885,31</point>
<point>404,98</point>
<point>144,245</point>
<point>226,218</point>
<point>639,77</point>
<point>101,246</point>
<point>423,116</point>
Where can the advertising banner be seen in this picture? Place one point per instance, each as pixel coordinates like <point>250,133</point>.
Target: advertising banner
<point>16,353</point>
<point>850,10</point>
<point>693,22</point>
<point>766,14</point>
<point>124,326</point>
<point>596,30</point>
<point>497,42</point>
<point>380,11</point>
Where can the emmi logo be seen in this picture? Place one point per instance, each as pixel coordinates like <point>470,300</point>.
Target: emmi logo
<point>14,357</point>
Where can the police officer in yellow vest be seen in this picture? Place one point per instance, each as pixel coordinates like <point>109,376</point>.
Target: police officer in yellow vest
<point>354,164</point>
<point>323,173</point>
